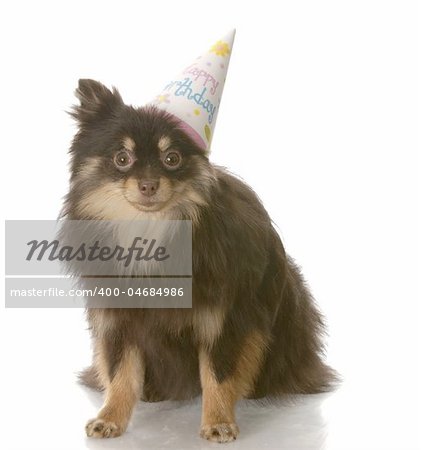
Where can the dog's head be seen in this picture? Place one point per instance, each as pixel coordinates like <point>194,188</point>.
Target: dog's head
<point>129,163</point>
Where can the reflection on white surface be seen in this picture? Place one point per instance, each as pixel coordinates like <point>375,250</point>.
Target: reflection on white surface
<point>44,407</point>
<point>298,425</point>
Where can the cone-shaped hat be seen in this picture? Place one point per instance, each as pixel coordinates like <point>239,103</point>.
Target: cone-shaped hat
<point>195,94</point>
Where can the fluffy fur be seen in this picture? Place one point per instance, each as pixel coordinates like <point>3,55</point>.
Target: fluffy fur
<point>254,330</point>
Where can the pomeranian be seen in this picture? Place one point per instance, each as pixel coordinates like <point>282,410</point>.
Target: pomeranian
<point>253,331</point>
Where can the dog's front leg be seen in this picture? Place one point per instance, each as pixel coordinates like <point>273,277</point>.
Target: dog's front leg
<point>123,379</point>
<point>220,395</point>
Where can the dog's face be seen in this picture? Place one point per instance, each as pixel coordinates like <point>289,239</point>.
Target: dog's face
<point>129,162</point>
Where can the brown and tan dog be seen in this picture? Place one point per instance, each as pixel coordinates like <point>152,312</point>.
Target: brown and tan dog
<point>253,331</point>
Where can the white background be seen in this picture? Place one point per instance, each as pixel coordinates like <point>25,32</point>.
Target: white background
<point>319,116</point>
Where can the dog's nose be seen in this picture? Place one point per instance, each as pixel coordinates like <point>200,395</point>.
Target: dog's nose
<point>148,187</point>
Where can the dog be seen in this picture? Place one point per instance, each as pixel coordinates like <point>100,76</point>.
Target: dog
<point>254,330</point>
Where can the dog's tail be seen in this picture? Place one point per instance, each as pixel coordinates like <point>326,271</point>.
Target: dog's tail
<point>89,377</point>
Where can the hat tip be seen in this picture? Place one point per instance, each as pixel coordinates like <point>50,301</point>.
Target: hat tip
<point>230,35</point>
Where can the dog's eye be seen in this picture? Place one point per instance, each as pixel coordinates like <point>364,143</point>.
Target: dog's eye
<point>123,160</point>
<point>172,159</point>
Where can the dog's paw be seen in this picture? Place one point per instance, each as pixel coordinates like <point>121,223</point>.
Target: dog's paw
<point>99,428</point>
<point>219,432</point>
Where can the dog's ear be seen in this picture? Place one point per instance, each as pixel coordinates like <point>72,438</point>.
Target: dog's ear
<point>96,102</point>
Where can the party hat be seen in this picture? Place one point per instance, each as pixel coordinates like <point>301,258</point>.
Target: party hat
<point>194,96</point>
